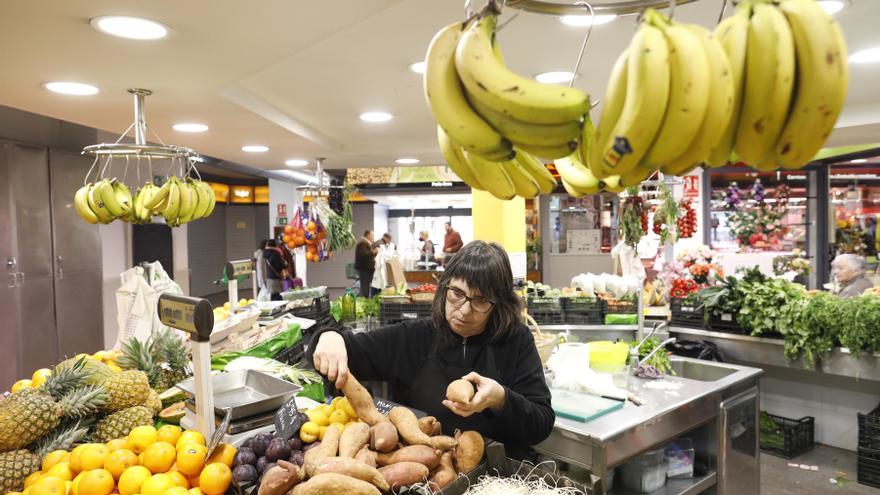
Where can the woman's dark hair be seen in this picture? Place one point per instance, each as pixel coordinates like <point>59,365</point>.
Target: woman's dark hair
<point>484,267</point>
<point>271,243</point>
<point>264,243</point>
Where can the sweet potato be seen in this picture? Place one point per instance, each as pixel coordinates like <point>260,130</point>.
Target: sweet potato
<point>329,448</point>
<point>353,438</point>
<point>443,474</point>
<point>280,479</point>
<point>430,426</point>
<point>353,468</point>
<point>443,443</point>
<point>361,400</point>
<point>460,391</point>
<point>404,473</point>
<point>408,426</point>
<point>383,437</point>
<point>332,484</point>
<point>469,451</point>
<point>422,454</point>
<point>366,456</point>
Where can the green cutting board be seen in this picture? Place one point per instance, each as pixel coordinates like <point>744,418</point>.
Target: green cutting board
<point>582,407</point>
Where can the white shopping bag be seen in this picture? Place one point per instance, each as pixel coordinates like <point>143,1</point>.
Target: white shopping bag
<point>135,307</point>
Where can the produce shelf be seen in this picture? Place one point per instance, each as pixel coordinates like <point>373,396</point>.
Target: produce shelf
<point>683,486</point>
<point>769,352</point>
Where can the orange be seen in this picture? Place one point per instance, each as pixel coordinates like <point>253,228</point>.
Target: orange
<point>119,460</point>
<point>30,480</point>
<point>49,485</point>
<point>176,490</point>
<point>117,444</point>
<point>159,457</point>
<point>169,433</point>
<point>191,459</point>
<point>215,479</point>
<point>193,481</point>
<point>188,437</point>
<point>92,457</point>
<point>96,482</point>
<point>224,453</point>
<point>195,491</point>
<point>55,457</point>
<point>74,460</point>
<point>157,484</point>
<point>74,487</point>
<point>179,479</point>
<point>61,470</point>
<point>141,437</point>
<point>132,478</point>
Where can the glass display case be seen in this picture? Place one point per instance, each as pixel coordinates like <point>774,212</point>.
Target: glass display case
<point>586,225</point>
<point>854,198</point>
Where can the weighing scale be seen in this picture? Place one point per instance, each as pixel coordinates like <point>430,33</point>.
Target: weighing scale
<point>235,269</point>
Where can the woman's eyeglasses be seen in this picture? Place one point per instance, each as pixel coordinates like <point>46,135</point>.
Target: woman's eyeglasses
<point>457,298</point>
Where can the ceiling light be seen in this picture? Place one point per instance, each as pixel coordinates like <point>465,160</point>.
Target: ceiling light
<point>190,127</point>
<point>867,56</point>
<point>831,7</point>
<point>406,161</point>
<point>136,28</point>
<point>859,160</point>
<point>554,77</point>
<point>255,148</point>
<point>376,116</point>
<point>296,162</point>
<point>71,88</point>
<point>418,67</point>
<point>586,20</point>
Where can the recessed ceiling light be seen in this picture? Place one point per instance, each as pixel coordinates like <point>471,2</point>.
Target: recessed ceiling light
<point>71,88</point>
<point>831,6</point>
<point>868,56</point>
<point>376,116</point>
<point>406,161</point>
<point>190,127</point>
<point>136,28</point>
<point>296,162</point>
<point>586,20</point>
<point>255,148</point>
<point>554,77</point>
<point>418,67</point>
<point>859,160</point>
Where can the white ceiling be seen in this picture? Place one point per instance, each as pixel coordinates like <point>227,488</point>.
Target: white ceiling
<point>295,74</point>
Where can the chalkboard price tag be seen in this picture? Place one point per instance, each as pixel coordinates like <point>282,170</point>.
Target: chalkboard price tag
<point>238,268</point>
<point>287,420</point>
<point>219,433</point>
<point>385,406</point>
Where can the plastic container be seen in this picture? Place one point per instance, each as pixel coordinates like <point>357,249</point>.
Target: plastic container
<point>608,357</point>
<point>646,472</point>
<point>791,438</point>
<point>869,429</point>
<point>680,459</point>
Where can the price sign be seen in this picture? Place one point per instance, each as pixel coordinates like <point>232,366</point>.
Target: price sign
<point>385,406</point>
<point>190,314</point>
<point>287,420</point>
<point>237,268</point>
<point>217,437</point>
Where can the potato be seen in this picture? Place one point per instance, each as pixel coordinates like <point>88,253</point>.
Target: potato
<point>430,426</point>
<point>469,451</point>
<point>353,468</point>
<point>443,474</point>
<point>460,391</point>
<point>422,454</point>
<point>329,448</point>
<point>361,400</point>
<point>383,437</point>
<point>366,456</point>
<point>408,426</point>
<point>404,473</point>
<point>280,479</point>
<point>335,484</point>
<point>443,442</point>
<point>353,439</point>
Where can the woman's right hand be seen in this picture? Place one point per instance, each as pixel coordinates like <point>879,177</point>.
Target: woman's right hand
<point>331,358</point>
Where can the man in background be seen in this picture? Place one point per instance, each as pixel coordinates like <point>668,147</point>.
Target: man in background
<point>451,243</point>
<point>365,262</point>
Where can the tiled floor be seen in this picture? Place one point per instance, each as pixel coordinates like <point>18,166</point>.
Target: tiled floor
<point>777,478</point>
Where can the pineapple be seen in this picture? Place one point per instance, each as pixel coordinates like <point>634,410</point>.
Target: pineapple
<point>120,423</point>
<point>15,466</point>
<point>164,358</point>
<point>126,389</point>
<point>153,403</point>
<point>96,370</point>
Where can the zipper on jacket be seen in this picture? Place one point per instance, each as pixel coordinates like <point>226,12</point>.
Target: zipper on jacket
<point>464,348</point>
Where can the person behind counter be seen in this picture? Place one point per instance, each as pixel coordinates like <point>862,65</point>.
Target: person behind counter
<point>451,243</point>
<point>275,268</point>
<point>365,262</point>
<point>475,333</point>
<point>850,272</point>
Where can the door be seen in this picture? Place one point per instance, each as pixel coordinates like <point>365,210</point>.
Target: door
<point>77,260</point>
<point>9,365</point>
<point>738,468</point>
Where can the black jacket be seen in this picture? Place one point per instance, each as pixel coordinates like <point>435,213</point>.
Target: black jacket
<point>395,354</point>
<point>364,257</point>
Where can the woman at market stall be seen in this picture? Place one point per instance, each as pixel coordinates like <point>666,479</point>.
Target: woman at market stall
<point>476,333</point>
<point>850,272</point>
<point>275,268</point>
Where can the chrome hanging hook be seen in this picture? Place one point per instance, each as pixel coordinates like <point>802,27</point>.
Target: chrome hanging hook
<point>577,64</point>
<point>723,9</point>
<point>672,5</point>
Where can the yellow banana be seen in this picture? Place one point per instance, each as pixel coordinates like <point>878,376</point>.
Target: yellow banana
<point>612,106</point>
<point>172,208</point>
<point>612,184</point>
<point>688,92</point>
<point>577,175</point>
<point>588,139</point>
<point>519,132</point>
<point>538,171</point>
<point>769,77</point>
<point>160,196</point>
<point>491,176</point>
<point>204,201</point>
<point>187,202</point>
<point>107,192</point>
<point>822,80</point>
<point>635,176</point>
<point>550,152</point>
<point>123,197</point>
<point>571,190</point>
<point>81,204</point>
<point>523,183</point>
<point>490,81</point>
<point>455,160</point>
<point>212,196</point>
<point>733,34</point>
<point>96,204</point>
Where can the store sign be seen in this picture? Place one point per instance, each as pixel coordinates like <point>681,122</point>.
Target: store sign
<point>190,314</point>
<point>441,184</point>
<point>242,194</point>
<point>282,210</point>
<point>281,221</point>
<point>221,192</point>
<point>261,194</point>
<point>691,186</point>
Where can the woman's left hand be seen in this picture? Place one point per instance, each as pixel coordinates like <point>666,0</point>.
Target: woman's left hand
<point>490,395</point>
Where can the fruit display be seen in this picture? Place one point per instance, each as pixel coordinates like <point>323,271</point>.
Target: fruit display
<point>164,358</point>
<point>686,225</point>
<point>223,312</point>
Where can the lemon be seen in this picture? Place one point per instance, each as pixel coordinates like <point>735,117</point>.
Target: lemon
<point>179,479</point>
<point>55,457</point>
<point>224,453</point>
<point>176,490</point>
<point>61,470</point>
<point>141,437</point>
<point>191,459</point>
<point>39,377</point>
<point>96,482</point>
<point>92,457</point>
<point>119,460</point>
<point>169,433</point>
<point>114,368</point>
<point>227,305</point>
<point>117,444</point>
<point>327,409</point>
<point>75,457</point>
<point>21,384</point>
<point>74,487</point>
<point>214,480</point>
<point>131,480</point>
<point>346,406</point>
<point>48,485</point>
<point>159,457</point>
<point>157,484</point>
<point>195,491</point>
<point>319,418</point>
<point>32,478</point>
<point>338,416</point>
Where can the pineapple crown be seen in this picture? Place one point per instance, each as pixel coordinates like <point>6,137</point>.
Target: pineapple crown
<point>66,378</point>
<point>162,348</point>
<point>64,437</point>
<point>83,401</point>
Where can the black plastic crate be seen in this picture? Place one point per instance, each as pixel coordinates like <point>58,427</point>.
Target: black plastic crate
<point>869,467</point>
<point>726,323</point>
<point>793,438</point>
<point>686,313</point>
<point>869,429</point>
<point>393,312</point>
<point>293,354</point>
<point>546,311</point>
<point>582,311</point>
<point>317,310</point>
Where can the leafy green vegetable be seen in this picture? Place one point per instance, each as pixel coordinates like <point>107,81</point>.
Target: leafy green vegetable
<point>659,360</point>
<point>861,333</point>
<point>363,306</point>
<point>763,306</point>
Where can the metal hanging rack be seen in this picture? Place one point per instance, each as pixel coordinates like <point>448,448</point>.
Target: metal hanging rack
<point>318,189</point>
<point>624,7</point>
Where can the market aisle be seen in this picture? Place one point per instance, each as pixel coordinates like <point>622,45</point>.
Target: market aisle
<point>777,478</point>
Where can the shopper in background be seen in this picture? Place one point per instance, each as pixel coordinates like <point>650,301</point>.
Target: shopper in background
<point>365,262</point>
<point>850,272</point>
<point>426,251</point>
<point>451,243</point>
<point>476,333</point>
<point>385,250</point>
<point>263,292</point>
<point>276,269</point>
